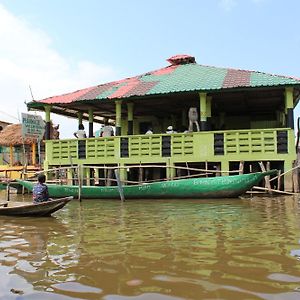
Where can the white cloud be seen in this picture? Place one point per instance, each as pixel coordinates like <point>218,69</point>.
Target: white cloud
<point>228,5</point>
<point>27,57</point>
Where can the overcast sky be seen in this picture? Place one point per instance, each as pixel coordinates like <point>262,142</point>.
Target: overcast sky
<point>58,46</point>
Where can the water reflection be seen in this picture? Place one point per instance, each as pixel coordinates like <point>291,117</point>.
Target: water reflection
<point>244,249</point>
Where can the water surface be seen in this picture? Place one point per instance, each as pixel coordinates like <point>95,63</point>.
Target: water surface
<point>160,249</point>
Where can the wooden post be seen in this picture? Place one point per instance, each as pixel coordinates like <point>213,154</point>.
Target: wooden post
<point>188,169</point>
<point>241,167</point>
<point>267,178</point>
<point>141,174</point>
<point>279,180</point>
<point>206,168</point>
<point>7,192</point>
<point>108,177</point>
<point>120,188</point>
<point>79,175</point>
<point>295,178</point>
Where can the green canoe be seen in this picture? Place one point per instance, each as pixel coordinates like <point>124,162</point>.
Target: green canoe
<point>208,187</point>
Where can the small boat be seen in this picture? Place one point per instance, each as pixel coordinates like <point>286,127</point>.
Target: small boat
<point>208,187</point>
<point>43,209</point>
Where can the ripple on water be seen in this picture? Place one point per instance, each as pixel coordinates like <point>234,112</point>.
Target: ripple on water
<point>284,277</point>
<point>145,296</point>
<point>76,288</point>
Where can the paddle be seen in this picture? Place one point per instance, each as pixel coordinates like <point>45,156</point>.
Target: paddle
<point>120,188</point>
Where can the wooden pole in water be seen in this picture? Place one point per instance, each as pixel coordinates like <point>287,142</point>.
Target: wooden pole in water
<point>295,177</point>
<point>279,180</point>
<point>241,167</point>
<point>120,188</point>
<point>79,182</point>
<point>7,192</point>
<point>273,190</point>
<point>267,178</point>
<point>141,173</point>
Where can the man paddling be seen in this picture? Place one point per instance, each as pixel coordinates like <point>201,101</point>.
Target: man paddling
<point>40,190</point>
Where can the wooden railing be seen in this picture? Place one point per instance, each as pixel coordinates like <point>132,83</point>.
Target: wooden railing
<point>196,146</point>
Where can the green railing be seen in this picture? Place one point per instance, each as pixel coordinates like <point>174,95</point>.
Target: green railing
<point>196,146</point>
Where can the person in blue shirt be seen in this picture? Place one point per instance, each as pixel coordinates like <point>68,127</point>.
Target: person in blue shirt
<point>40,190</point>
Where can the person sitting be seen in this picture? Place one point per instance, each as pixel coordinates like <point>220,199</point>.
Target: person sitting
<point>149,131</point>
<point>170,129</point>
<point>40,190</point>
<point>80,133</point>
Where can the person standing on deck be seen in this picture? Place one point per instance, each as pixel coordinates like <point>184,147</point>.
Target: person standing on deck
<point>107,130</point>
<point>40,190</point>
<point>80,133</point>
<point>193,119</point>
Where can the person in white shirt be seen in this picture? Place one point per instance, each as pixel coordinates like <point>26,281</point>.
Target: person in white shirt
<point>107,130</point>
<point>80,133</point>
<point>170,129</point>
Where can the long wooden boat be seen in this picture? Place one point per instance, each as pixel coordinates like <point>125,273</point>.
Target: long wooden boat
<point>43,209</point>
<point>209,187</point>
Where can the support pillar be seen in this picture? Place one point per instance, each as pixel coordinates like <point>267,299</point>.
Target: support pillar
<point>118,117</point>
<point>208,111</point>
<point>203,112</point>
<point>289,107</point>
<point>79,115</point>
<point>224,167</point>
<point>123,173</point>
<point>130,118</point>
<point>48,123</point>
<point>171,171</point>
<point>91,120</point>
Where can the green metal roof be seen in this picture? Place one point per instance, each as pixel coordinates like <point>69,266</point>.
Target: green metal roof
<point>181,76</point>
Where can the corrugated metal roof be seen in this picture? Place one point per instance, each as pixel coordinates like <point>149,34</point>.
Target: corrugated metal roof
<point>185,77</point>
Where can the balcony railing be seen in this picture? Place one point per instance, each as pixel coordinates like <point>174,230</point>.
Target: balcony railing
<point>195,146</point>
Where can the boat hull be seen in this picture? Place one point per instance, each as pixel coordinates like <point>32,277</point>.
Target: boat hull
<point>210,187</point>
<point>43,209</point>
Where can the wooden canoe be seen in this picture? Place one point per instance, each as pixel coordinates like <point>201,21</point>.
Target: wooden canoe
<point>208,187</point>
<point>43,209</point>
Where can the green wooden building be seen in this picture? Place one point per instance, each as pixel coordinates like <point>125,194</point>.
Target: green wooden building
<point>244,116</point>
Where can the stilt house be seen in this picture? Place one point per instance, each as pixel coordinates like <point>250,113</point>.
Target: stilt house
<point>245,118</point>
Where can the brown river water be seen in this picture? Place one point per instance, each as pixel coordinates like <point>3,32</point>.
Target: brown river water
<point>160,250</point>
